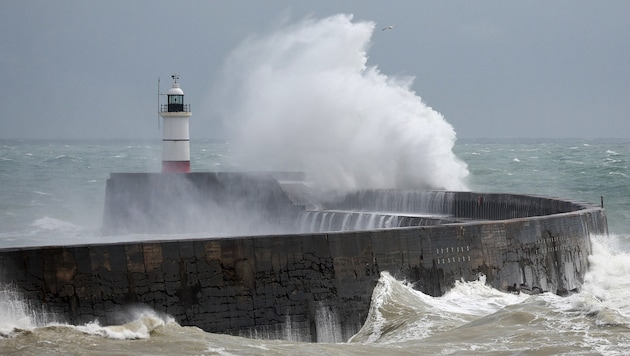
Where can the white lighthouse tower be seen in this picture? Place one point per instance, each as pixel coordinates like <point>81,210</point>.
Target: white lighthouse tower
<point>175,138</point>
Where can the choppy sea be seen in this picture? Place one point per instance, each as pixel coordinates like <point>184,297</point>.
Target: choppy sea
<point>52,193</point>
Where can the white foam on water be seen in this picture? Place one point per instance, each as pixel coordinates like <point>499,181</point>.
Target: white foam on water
<point>17,315</point>
<point>476,298</point>
<point>606,289</point>
<point>400,313</point>
<point>140,328</point>
<point>51,224</point>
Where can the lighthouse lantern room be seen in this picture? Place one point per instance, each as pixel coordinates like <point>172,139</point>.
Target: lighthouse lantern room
<point>175,138</point>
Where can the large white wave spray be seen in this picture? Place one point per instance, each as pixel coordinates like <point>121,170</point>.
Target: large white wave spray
<point>303,98</point>
<point>606,289</point>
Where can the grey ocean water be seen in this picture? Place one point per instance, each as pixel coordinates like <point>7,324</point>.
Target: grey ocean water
<point>52,193</point>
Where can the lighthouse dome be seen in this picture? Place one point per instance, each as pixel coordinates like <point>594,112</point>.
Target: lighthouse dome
<point>175,90</point>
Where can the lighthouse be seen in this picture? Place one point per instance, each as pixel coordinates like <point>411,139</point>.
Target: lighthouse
<point>175,137</point>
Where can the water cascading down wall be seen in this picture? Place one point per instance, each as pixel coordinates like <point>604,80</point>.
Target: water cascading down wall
<point>275,265</point>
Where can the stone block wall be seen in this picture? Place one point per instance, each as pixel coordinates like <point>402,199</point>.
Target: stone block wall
<point>274,285</point>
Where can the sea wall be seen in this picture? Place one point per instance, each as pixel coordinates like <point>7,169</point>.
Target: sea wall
<point>218,203</point>
<point>302,285</point>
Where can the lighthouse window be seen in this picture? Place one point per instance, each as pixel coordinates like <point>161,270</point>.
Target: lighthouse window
<point>175,103</point>
<point>175,99</point>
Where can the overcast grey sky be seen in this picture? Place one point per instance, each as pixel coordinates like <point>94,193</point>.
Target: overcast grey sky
<point>89,69</point>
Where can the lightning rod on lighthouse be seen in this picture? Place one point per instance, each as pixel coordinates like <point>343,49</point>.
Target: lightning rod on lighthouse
<point>175,133</point>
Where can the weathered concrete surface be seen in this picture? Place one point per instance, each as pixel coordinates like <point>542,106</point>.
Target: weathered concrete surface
<point>263,285</point>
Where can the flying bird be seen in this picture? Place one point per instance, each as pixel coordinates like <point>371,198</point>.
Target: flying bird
<point>390,27</point>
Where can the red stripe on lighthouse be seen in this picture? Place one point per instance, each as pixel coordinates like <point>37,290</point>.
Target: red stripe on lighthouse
<point>175,166</point>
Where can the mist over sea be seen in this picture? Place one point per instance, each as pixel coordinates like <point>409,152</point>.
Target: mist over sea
<point>305,98</point>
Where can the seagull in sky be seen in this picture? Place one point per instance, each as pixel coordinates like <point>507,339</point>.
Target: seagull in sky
<point>390,27</point>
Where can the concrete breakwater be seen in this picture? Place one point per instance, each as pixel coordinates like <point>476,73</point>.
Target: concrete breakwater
<point>284,280</point>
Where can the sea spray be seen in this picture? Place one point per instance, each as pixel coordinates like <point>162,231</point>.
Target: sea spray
<point>606,290</point>
<point>304,98</point>
<point>17,314</point>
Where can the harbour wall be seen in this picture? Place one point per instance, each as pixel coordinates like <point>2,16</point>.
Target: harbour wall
<point>300,286</point>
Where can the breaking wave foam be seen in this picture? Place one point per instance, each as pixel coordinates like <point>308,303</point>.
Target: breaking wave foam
<point>606,290</point>
<point>140,328</point>
<point>17,315</point>
<point>399,313</point>
<point>51,224</point>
